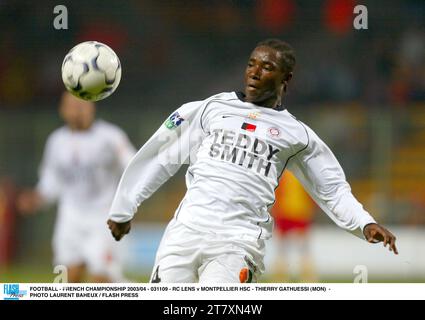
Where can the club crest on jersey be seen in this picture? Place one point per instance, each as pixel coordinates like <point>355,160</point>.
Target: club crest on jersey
<point>273,132</point>
<point>254,115</point>
<point>174,121</point>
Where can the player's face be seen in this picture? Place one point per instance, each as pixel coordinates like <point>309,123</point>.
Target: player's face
<point>78,114</point>
<point>264,77</point>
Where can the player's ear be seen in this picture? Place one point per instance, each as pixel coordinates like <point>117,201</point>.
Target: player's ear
<point>288,77</point>
<point>285,80</point>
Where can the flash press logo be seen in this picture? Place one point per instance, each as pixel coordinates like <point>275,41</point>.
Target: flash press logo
<point>12,292</point>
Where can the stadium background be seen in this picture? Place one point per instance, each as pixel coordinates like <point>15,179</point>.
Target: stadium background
<point>362,91</point>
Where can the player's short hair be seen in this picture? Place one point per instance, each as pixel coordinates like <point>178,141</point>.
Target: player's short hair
<point>287,53</point>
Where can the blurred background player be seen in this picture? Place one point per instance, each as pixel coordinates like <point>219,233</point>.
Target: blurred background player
<point>81,166</point>
<point>293,214</point>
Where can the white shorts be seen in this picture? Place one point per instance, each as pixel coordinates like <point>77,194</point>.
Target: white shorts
<point>76,242</point>
<point>188,256</point>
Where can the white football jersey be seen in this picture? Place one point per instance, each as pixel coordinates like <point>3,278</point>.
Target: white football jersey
<point>236,153</point>
<point>81,169</point>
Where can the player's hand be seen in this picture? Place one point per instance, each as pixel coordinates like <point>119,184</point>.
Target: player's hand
<point>375,233</point>
<point>119,230</point>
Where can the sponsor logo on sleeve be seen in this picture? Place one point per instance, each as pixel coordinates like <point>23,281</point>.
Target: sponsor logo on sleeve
<point>173,121</point>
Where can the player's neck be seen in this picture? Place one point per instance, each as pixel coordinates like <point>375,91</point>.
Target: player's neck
<point>80,128</point>
<point>272,103</point>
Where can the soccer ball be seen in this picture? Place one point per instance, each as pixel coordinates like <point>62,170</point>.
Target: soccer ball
<point>91,71</point>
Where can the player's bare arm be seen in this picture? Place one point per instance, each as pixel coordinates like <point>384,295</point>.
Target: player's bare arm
<point>375,233</point>
<point>119,230</point>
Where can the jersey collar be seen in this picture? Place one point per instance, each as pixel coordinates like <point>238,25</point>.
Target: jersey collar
<point>241,96</point>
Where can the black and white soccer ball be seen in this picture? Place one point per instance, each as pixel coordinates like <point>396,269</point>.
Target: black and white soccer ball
<point>91,71</point>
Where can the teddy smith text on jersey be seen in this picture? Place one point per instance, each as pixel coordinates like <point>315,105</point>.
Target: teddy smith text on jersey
<point>242,149</point>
